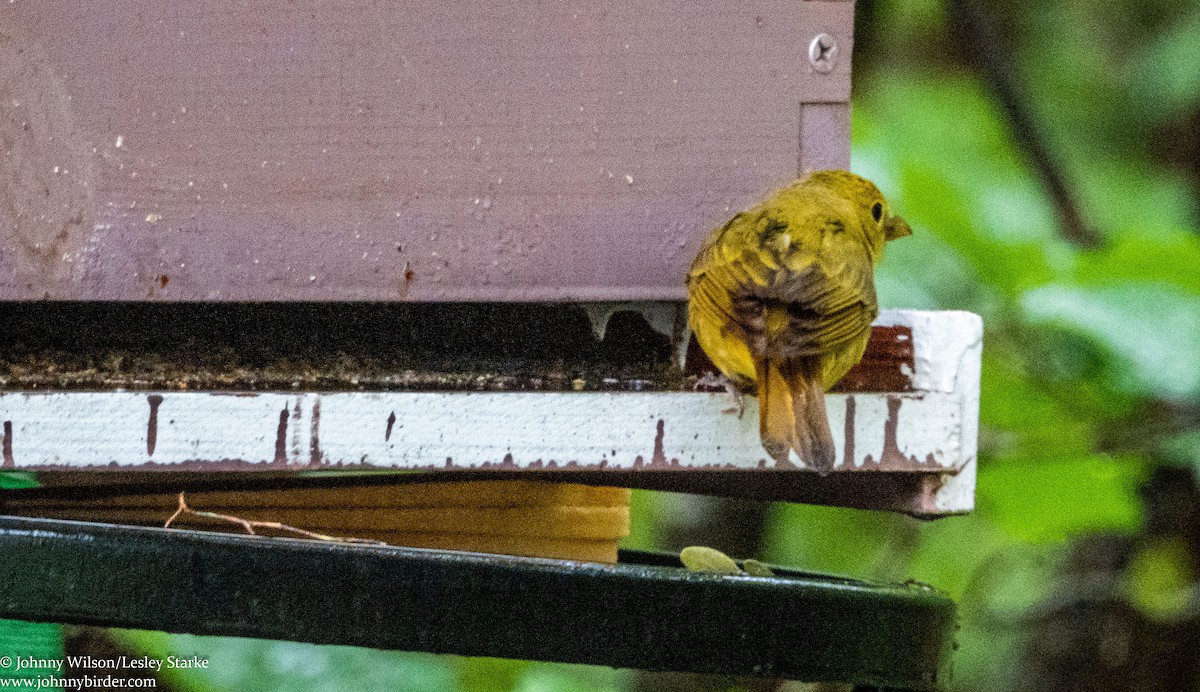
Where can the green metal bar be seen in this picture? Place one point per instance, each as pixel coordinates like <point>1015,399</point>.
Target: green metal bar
<point>644,613</point>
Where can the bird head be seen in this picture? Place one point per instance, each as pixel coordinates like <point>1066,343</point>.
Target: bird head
<point>878,221</point>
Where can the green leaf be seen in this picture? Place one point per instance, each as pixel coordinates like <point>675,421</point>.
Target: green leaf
<point>1153,327</point>
<point>1166,75</point>
<point>1047,500</point>
<point>554,677</point>
<point>1161,581</point>
<point>952,549</point>
<point>1171,257</point>
<point>1130,195</point>
<point>1020,418</point>
<point>645,527</point>
<point>490,674</point>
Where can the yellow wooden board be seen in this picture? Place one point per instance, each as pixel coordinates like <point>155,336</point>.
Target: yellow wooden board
<point>531,518</point>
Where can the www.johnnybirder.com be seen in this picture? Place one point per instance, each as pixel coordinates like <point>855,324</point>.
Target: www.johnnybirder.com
<point>86,682</point>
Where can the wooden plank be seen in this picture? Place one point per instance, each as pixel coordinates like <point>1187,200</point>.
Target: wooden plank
<point>923,423</point>
<point>821,125</point>
<point>436,430</point>
<point>490,494</point>
<point>929,425</point>
<point>515,517</point>
<point>581,523</point>
<point>374,347</point>
<point>430,151</point>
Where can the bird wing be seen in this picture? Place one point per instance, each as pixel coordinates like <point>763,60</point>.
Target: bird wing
<point>710,308</point>
<point>830,303</point>
<point>828,287</point>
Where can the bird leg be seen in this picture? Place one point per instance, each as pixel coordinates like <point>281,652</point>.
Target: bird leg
<point>711,381</point>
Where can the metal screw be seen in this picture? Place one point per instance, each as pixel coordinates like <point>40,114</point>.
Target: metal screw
<point>822,53</point>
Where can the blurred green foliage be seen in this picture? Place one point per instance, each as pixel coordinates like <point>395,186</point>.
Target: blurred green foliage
<point>1091,373</point>
<point>264,666</point>
<point>36,640</point>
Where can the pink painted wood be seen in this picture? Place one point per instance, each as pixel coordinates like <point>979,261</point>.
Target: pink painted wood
<point>361,150</point>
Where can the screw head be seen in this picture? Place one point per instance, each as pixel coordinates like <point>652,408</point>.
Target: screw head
<point>822,53</point>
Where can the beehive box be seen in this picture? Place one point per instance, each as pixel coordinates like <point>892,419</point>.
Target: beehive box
<point>430,151</point>
<point>563,152</point>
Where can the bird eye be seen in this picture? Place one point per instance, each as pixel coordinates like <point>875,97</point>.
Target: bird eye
<point>877,211</point>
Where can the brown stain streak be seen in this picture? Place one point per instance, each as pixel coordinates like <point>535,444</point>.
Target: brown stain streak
<point>281,439</point>
<point>314,438</point>
<point>7,447</point>
<point>659,458</point>
<point>891,449</point>
<point>152,425</point>
<point>848,445</point>
<point>409,275</point>
<point>387,434</point>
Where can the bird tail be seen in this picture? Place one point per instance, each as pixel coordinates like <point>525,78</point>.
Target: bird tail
<point>791,396</point>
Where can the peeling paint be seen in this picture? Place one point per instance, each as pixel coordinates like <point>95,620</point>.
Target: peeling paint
<point>848,443</point>
<point>940,341</point>
<point>891,450</point>
<point>7,445</point>
<point>659,458</point>
<point>929,433</point>
<point>281,439</point>
<point>155,401</point>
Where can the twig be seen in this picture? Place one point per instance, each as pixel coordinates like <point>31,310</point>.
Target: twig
<point>249,525</point>
<point>992,57</point>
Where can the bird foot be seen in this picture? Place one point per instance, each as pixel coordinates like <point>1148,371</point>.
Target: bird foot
<point>711,381</point>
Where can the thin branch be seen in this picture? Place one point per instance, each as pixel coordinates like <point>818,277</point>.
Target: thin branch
<point>249,525</point>
<point>983,45</point>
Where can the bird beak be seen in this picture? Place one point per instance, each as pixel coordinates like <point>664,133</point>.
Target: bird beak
<point>896,227</point>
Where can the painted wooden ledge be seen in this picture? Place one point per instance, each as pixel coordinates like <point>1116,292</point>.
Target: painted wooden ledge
<point>925,426</point>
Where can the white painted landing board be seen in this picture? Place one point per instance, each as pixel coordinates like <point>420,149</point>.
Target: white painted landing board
<point>436,429</point>
<point>932,429</point>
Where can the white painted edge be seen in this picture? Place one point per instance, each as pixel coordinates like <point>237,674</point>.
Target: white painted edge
<point>957,492</point>
<point>935,429</point>
<point>941,341</point>
<point>426,430</point>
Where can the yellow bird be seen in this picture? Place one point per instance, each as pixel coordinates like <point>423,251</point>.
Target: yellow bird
<point>782,298</point>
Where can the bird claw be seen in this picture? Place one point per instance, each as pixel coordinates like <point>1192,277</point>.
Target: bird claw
<point>711,381</point>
